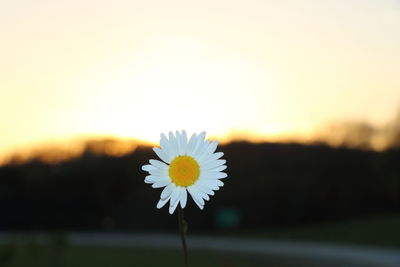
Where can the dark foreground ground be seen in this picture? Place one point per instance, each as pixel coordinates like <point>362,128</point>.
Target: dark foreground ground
<point>205,251</point>
<point>367,243</point>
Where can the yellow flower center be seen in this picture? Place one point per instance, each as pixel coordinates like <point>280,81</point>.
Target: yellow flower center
<point>184,170</point>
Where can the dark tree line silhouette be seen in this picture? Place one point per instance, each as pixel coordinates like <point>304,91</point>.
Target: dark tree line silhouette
<point>268,185</point>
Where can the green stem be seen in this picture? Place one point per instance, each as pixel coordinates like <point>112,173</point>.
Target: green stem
<point>183,231</point>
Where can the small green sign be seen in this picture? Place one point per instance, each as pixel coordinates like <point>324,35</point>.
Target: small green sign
<point>228,218</point>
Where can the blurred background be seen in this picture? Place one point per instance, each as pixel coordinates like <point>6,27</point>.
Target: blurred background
<point>304,97</point>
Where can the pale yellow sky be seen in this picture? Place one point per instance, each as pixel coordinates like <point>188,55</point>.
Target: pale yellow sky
<point>138,68</point>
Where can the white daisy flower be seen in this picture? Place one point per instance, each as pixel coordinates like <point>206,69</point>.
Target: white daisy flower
<point>187,167</point>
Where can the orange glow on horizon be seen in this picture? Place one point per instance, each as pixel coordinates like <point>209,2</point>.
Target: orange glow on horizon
<point>60,150</point>
<point>352,135</point>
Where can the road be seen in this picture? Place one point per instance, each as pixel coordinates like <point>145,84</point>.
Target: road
<point>314,253</point>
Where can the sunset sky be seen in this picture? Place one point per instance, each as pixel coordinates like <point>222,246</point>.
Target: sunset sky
<point>138,68</point>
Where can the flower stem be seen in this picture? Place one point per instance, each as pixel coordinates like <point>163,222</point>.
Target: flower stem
<point>183,230</point>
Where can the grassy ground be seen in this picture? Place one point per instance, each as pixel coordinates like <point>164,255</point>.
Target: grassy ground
<point>42,256</point>
<point>381,231</point>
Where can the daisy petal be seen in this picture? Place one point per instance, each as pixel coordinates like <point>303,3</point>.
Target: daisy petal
<point>175,195</point>
<point>202,150</point>
<point>212,147</point>
<point>219,183</point>
<point>205,189</point>
<point>165,146</point>
<point>191,145</point>
<point>215,156</point>
<point>158,164</point>
<point>153,179</point>
<point>161,154</point>
<point>198,203</point>
<point>218,169</point>
<point>183,143</point>
<point>173,143</point>
<point>159,172</point>
<point>201,136</point>
<point>199,143</point>
<point>209,149</point>
<point>212,184</point>
<point>213,164</point>
<point>215,175</point>
<point>215,185</point>
<point>167,191</point>
<point>147,168</point>
<point>207,158</point>
<point>162,202</point>
<point>178,142</point>
<point>161,183</point>
<point>183,198</point>
<point>200,193</point>
<point>195,195</point>
<point>173,207</point>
